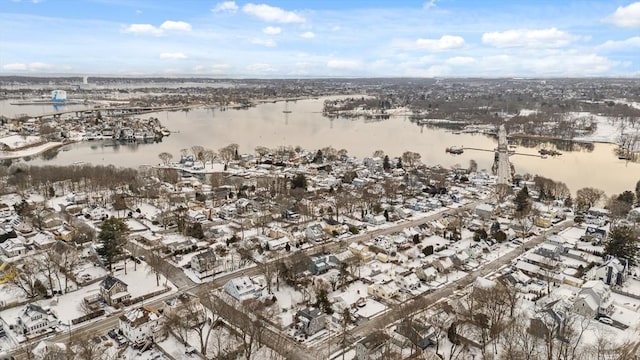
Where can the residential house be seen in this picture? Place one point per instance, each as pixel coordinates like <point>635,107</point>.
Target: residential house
<point>484,211</point>
<point>114,291</point>
<point>375,219</point>
<point>315,233</point>
<point>613,272</point>
<point>244,288</point>
<point>593,299</point>
<point>409,281</point>
<point>385,290</point>
<point>549,250</point>
<point>421,335</point>
<point>277,244</point>
<point>427,273</point>
<point>50,219</point>
<point>443,264</point>
<point>310,320</point>
<point>319,265</point>
<point>13,246</point>
<point>541,261</point>
<point>186,306</point>
<point>551,320</point>
<point>43,240</point>
<point>142,325</point>
<point>204,264</point>
<point>33,319</point>
<point>5,210</point>
<point>372,346</point>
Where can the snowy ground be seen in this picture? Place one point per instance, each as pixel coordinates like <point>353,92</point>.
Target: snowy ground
<point>608,130</point>
<point>32,151</point>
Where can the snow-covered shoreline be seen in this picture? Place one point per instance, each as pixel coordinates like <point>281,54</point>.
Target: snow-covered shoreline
<point>31,151</point>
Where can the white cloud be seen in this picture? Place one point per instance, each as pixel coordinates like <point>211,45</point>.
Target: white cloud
<point>225,6</point>
<point>626,16</point>
<point>308,35</point>
<point>148,29</point>
<point>541,38</point>
<point>261,68</point>
<point>429,4</point>
<point>15,67</point>
<point>272,30</point>
<point>460,60</point>
<point>143,29</point>
<point>34,66</point>
<point>632,43</point>
<point>264,42</point>
<point>344,64</point>
<point>212,69</point>
<point>272,13</point>
<point>446,42</point>
<point>175,25</point>
<point>173,55</point>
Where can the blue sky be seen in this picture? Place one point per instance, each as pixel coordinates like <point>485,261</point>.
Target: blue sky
<point>359,38</point>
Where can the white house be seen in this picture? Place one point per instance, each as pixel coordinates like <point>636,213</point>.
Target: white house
<point>244,287</point>
<point>33,319</point>
<point>385,290</point>
<point>594,298</point>
<point>277,244</point>
<point>204,264</point>
<point>5,210</point>
<point>484,211</point>
<point>13,247</point>
<point>612,272</point>
<point>141,325</point>
<point>375,220</point>
<point>409,282</point>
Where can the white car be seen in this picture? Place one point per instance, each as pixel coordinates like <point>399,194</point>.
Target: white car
<point>606,320</point>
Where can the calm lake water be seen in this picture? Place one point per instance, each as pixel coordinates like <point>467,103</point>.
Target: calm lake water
<point>267,125</point>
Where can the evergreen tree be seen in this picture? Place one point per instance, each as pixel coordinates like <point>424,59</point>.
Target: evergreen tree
<point>299,181</point>
<point>628,197</point>
<point>523,202</point>
<point>623,243</point>
<point>386,165</point>
<point>112,240</point>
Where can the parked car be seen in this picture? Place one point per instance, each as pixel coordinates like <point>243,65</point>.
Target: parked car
<point>606,320</point>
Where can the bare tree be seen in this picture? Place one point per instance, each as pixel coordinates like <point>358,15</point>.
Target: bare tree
<point>27,278</point>
<point>165,157</point>
<point>588,197</point>
<point>156,265</point>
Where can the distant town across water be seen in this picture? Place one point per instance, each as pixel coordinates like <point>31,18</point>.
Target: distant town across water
<point>301,123</point>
